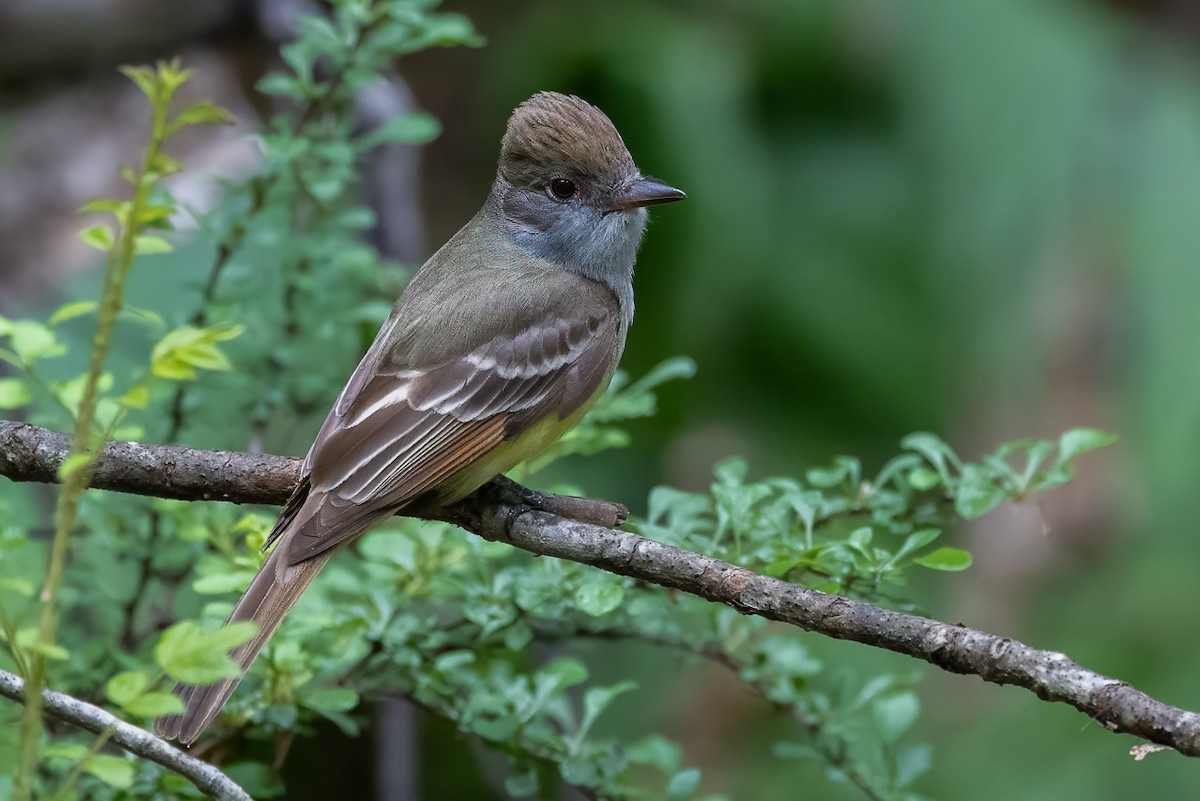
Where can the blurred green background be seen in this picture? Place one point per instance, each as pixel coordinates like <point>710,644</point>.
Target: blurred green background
<point>975,217</point>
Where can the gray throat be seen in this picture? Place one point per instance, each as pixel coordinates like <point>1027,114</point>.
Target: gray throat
<point>580,238</point>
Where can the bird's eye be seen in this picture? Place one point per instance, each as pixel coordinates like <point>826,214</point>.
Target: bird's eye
<point>562,189</point>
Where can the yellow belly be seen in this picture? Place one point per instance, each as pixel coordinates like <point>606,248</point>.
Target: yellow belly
<point>532,441</point>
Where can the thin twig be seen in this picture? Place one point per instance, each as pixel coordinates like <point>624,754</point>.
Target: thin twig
<point>134,740</point>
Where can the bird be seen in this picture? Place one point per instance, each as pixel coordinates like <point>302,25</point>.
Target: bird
<point>497,346</point>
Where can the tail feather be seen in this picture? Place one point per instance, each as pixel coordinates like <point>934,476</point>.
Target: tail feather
<point>268,599</point>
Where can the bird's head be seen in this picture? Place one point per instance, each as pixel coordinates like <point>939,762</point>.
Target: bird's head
<point>570,191</point>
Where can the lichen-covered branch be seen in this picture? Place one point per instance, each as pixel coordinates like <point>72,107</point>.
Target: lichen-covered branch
<point>581,530</point>
<point>131,738</point>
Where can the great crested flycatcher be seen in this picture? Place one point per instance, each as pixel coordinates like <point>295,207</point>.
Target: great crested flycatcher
<point>497,347</point>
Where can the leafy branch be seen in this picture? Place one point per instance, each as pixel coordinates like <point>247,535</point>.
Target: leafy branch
<point>508,513</point>
<point>133,218</point>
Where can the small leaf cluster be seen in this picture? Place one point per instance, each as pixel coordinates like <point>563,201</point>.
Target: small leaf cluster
<point>35,349</point>
<point>838,531</point>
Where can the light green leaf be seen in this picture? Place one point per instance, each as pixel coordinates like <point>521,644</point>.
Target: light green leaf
<point>145,79</point>
<point>124,687</point>
<point>895,714</point>
<point>203,111</point>
<point>72,751</point>
<point>99,236</point>
<point>178,354</point>
<point>568,671</point>
<point>17,585</point>
<point>153,705</point>
<point>32,340</point>
<point>922,479</point>
<point>976,497</point>
<point>136,398</point>
<point>949,559</point>
<point>162,165</point>
<point>72,310</point>
<point>937,452</point>
<point>1080,440</point>
<point>14,393</point>
<point>50,650</point>
<point>190,654</point>
<point>332,699</point>
<point>73,464</point>
<point>683,785</point>
<point>915,542</point>
<point>146,245</point>
<point>415,128</point>
<point>114,771</point>
<point>104,205</point>
<point>223,582</point>
<point>599,597</point>
<point>154,216</point>
<point>521,785</point>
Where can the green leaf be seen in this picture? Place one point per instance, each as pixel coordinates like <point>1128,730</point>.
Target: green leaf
<point>153,705</point>
<point>124,687</point>
<point>147,245</point>
<point>154,216</point>
<point>75,752</point>
<point>17,585</point>
<point>912,762</point>
<point>521,785</point>
<point>922,479</point>
<point>949,559</point>
<point>32,340</point>
<point>203,111</point>
<point>568,671</point>
<point>181,352</point>
<point>1080,440</point>
<point>895,714</point>
<point>683,785</point>
<point>281,85</point>
<point>145,78</point>
<point>414,128</point>
<point>656,750</point>
<point>73,464</point>
<point>145,316</point>
<point>935,451</point>
<point>14,393</point>
<point>977,496</point>
<point>223,582</point>
<point>192,655</point>
<point>599,597</point>
<point>915,542</point>
<point>136,398</point>
<point>332,699</point>
<point>114,771</point>
<point>72,310</point>
<point>104,205</point>
<point>99,236</point>
<point>162,165</point>
<point>451,661</point>
<point>50,650</point>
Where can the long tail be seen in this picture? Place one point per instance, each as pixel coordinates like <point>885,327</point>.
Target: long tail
<point>266,602</point>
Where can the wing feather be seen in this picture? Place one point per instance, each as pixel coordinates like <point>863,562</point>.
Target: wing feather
<point>404,431</point>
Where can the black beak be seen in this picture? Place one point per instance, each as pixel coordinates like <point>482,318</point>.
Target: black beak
<point>646,192</point>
